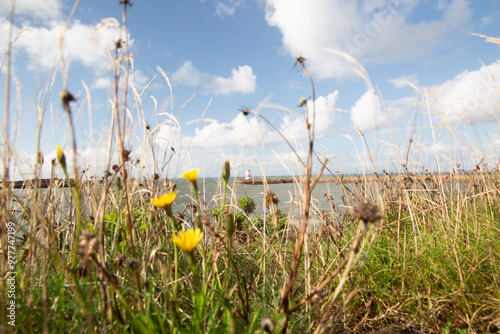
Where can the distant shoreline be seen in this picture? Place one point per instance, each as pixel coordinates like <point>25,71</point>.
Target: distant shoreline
<point>42,183</point>
<point>445,178</point>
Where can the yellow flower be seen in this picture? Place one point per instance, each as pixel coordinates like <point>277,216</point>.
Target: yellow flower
<point>61,158</point>
<point>191,175</point>
<point>188,240</point>
<point>59,152</point>
<point>164,201</point>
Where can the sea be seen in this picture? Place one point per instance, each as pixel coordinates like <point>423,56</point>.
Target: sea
<point>290,195</point>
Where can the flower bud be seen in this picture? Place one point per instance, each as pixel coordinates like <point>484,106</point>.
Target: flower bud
<point>229,220</point>
<point>61,158</point>
<point>226,171</point>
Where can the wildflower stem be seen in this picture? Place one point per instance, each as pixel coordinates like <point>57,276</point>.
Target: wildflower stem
<point>173,224</point>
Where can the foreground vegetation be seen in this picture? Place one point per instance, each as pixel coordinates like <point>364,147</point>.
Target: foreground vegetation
<point>401,253</point>
<point>419,259</point>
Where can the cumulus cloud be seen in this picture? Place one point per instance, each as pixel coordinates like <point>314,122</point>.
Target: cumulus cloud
<point>470,96</point>
<point>248,133</point>
<point>371,31</point>
<point>214,136</point>
<point>82,43</point>
<point>367,112</point>
<point>241,81</point>
<point>187,75</point>
<point>295,127</point>
<point>91,159</point>
<point>42,35</point>
<point>37,10</point>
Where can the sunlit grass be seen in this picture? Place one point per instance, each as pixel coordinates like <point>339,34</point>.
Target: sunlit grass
<point>413,251</point>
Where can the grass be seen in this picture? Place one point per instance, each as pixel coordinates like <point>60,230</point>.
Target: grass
<point>396,253</point>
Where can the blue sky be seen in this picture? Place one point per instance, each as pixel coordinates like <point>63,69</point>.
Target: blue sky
<point>220,55</point>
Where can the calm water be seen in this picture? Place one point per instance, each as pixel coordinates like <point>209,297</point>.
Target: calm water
<point>289,195</point>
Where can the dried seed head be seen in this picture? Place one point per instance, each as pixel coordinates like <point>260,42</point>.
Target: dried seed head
<point>120,259</point>
<point>291,234</point>
<point>66,97</point>
<point>367,212</point>
<point>245,110</point>
<point>271,198</point>
<point>126,155</point>
<point>125,2</point>
<point>87,245</point>
<point>300,60</point>
<point>267,324</point>
<point>302,102</point>
<point>119,43</point>
<point>39,158</point>
<point>170,186</point>
<point>132,264</point>
<point>318,296</point>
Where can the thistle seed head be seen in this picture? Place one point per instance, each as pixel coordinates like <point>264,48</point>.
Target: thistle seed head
<point>87,245</point>
<point>367,212</point>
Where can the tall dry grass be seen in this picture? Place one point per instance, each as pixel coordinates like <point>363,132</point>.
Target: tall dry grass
<point>410,252</point>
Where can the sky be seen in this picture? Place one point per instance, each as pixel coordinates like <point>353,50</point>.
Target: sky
<point>396,82</point>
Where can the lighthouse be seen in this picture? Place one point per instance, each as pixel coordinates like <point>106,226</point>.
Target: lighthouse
<point>248,175</point>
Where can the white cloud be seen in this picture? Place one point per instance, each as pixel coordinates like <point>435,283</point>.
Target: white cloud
<point>227,7</point>
<point>241,131</point>
<point>83,43</point>
<point>91,159</point>
<point>325,116</point>
<point>103,83</point>
<point>294,127</point>
<point>403,81</point>
<point>367,112</point>
<point>470,96</point>
<point>371,31</point>
<point>187,75</point>
<point>242,80</point>
<point>38,10</point>
<point>247,134</point>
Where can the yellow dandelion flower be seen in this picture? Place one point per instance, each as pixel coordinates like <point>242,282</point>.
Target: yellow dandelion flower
<point>59,151</point>
<point>60,157</point>
<point>164,201</point>
<point>188,240</point>
<point>191,175</point>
